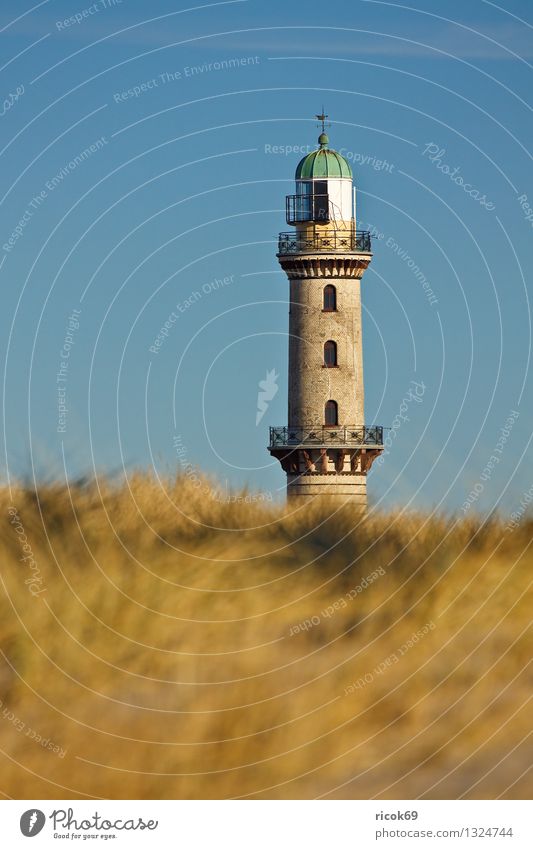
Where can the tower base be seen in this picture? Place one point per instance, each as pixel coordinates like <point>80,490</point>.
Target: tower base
<point>340,488</point>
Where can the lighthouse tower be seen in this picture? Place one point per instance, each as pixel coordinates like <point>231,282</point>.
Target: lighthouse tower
<point>326,448</point>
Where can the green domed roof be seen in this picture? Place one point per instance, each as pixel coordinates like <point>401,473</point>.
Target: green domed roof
<point>323,163</point>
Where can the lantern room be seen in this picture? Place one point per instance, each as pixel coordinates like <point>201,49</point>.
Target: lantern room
<point>324,190</point>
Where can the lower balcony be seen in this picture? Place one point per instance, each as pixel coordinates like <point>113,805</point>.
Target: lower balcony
<point>325,436</point>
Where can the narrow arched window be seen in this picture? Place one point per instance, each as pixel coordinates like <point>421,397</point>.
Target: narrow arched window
<point>330,354</point>
<point>331,413</point>
<point>330,298</point>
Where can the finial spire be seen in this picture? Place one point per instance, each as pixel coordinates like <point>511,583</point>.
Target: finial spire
<point>322,118</point>
<point>323,139</point>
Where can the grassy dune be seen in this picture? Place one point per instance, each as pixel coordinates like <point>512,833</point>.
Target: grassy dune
<point>159,643</point>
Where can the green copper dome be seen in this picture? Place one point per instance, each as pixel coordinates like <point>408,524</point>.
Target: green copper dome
<point>323,163</point>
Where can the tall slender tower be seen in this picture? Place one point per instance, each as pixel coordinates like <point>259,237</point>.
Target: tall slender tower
<point>326,449</point>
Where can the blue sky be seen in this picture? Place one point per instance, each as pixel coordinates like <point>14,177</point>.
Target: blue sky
<point>159,190</point>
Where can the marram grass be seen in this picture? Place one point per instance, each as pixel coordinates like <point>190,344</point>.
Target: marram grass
<point>158,642</point>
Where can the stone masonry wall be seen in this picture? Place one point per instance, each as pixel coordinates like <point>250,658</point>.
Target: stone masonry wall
<point>310,383</point>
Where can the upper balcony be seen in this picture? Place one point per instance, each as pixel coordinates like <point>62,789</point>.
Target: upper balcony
<point>318,240</point>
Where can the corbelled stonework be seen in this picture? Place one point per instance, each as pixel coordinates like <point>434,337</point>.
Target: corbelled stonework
<point>301,266</point>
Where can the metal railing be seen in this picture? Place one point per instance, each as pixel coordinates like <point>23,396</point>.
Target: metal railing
<point>323,435</point>
<point>302,208</point>
<point>325,241</point>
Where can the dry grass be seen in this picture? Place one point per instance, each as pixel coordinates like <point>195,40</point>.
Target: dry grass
<point>160,656</point>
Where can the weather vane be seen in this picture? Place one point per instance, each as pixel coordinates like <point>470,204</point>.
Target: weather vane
<point>322,119</point>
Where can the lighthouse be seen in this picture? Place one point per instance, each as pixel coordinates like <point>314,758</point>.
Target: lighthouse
<point>325,448</point>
